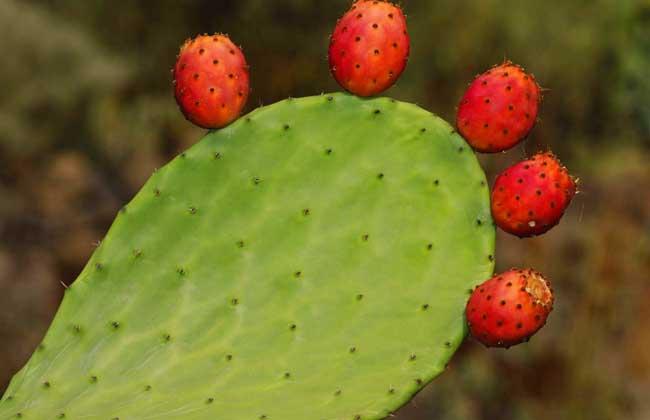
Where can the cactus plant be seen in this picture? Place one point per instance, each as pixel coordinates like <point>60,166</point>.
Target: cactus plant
<point>310,261</point>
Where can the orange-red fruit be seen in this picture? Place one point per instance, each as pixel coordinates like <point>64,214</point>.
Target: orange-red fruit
<point>529,198</point>
<point>509,308</point>
<point>369,47</point>
<point>211,81</point>
<point>499,109</point>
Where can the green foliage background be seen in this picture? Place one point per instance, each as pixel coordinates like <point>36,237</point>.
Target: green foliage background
<point>87,113</point>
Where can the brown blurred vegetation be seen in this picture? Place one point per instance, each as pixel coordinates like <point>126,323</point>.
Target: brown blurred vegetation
<point>87,113</point>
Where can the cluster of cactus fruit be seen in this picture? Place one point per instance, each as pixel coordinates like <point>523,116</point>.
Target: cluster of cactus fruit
<point>311,260</point>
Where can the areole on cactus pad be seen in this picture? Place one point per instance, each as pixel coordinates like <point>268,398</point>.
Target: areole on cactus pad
<point>310,261</point>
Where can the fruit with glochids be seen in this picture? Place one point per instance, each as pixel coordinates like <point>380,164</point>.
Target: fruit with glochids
<point>530,197</point>
<point>369,47</point>
<point>509,308</point>
<point>499,108</point>
<point>211,80</point>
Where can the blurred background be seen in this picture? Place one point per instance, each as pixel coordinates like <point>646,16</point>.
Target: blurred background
<point>87,113</point>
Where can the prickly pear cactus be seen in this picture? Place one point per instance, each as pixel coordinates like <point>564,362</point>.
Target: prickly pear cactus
<point>310,261</point>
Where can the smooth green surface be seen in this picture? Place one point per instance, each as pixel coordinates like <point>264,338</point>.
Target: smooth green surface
<point>310,261</point>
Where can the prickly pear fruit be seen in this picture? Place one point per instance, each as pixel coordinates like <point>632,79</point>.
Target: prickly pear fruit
<point>529,198</point>
<point>369,47</point>
<point>499,109</point>
<point>509,308</point>
<point>211,80</point>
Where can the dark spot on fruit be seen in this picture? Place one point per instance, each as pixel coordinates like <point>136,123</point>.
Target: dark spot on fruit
<point>503,303</point>
<point>487,100</point>
<point>509,284</point>
<point>519,325</point>
<point>538,317</point>
<point>201,51</point>
<point>359,16</point>
<point>358,66</point>
<point>390,16</point>
<point>211,90</point>
<point>527,115</point>
<point>505,131</point>
<point>484,316</point>
<point>552,204</point>
<point>231,76</point>
<point>499,323</point>
<point>489,297</point>
<point>505,74</point>
<point>519,306</point>
<point>517,198</point>
<point>215,62</point>
<point>526,166</point>
<point>232,52</point>
<point>376,52</point>
<point>542,175</point>
<point>196,76</point>
<point>484,83</point>
<point>520,180</point>
<point>374,25</point>
<point>511,108</point>
<point>394,44</point>
<point>357,39</point>
<point>508,88</point>
<point>538,192</point>
<point>196,103</point>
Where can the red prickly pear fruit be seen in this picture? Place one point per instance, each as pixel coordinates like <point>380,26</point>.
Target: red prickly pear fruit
<point>499,108</point>
<point>211,80</point>
<point>369,48</point>
<point>509,308</point>
<point>529,198</point>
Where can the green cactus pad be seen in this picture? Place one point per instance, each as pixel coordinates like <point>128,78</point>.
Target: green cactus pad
<point>310,261</point>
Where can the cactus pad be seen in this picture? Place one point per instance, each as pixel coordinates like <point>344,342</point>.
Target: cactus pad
<point>310,261</point>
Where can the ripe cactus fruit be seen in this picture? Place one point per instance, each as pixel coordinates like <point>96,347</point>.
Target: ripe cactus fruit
<point>369,48</point>
<point>499,109</point>
<point>308,261</point>
<point>530,197</point>
<point>211,80</point>
<point>509,308</point>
